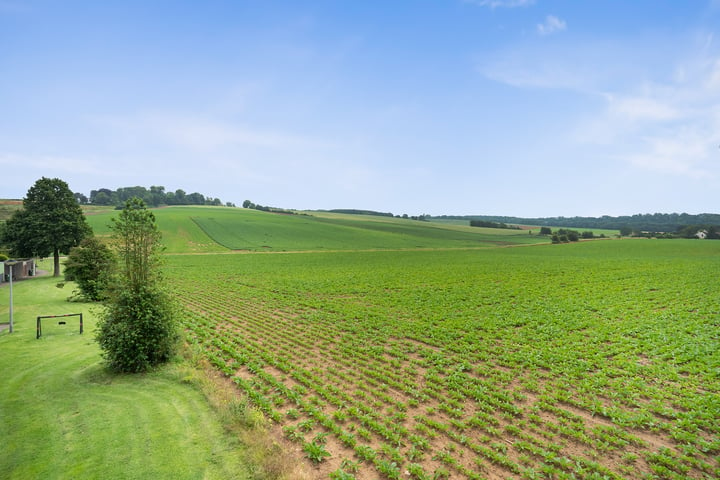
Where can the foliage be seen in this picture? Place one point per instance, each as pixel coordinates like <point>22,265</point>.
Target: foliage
<point>711,232</point>
<point>537,361</point>
<point>50,223</point>
<point>155,196</point>
<point>137,240</point>
<point>352,211</point>
<point>314,451</point>
<point>564,235</point>
<point>656,222</point>
<point>91,265</point>
<point>137,329</point>
<point>72,419</point>
<point>489,224</point>
<point>7,208</point>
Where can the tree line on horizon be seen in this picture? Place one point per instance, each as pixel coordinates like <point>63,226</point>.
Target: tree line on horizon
<point>656,223</point>
<point>154,197</point>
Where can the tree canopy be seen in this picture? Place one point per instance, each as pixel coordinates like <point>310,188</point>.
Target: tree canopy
<point>50,223</point>
<point>154,196</point>
<point>137,329</point>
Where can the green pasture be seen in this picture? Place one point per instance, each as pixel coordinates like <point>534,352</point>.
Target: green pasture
<point>216,229</point>
<point>62,415</point>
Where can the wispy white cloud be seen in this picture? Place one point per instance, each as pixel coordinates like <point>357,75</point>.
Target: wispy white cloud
<point>588,68</point>
<point>686,153</point>
<point>641,108</point>
<point>501,3</point>
<point>551,25</point>
<point>659,117</point>
<point>201,133</point>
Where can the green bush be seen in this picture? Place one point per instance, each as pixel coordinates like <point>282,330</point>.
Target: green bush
<point>91,265</point>
<point>137,330</point>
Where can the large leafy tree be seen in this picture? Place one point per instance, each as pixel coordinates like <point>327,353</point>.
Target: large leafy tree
<point>137,330</point>
<point>91,265</point>
<point>50,223</point>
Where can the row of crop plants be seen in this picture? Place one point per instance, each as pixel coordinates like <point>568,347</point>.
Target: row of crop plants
<point>407,396</point>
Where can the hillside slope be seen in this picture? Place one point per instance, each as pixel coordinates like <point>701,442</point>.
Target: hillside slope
<point>217,229</point>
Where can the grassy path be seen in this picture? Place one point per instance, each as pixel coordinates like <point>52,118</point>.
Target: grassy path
<point>63,416</point>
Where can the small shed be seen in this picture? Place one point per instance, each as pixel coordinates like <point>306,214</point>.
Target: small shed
<point>24,268</point>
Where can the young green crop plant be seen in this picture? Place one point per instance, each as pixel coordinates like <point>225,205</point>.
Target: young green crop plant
<point>315,452</point>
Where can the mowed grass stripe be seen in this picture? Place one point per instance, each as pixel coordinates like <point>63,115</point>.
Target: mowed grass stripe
<point>62,415</point>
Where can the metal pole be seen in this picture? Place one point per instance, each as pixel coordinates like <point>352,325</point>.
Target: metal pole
<point>11,300</point>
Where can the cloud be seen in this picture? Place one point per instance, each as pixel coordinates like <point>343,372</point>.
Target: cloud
<point>641,108</point>
<point>201,133</point>
<point>552,25</point>
<point>683,153</point>
<point>669,127</point>
<point>501,3</point>
<point>560,67</point>
<point>657,114</point>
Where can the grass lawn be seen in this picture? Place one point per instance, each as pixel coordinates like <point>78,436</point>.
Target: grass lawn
<point>62,415</point>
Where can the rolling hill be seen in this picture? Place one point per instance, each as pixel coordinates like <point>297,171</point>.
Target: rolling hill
<point>216,229</point>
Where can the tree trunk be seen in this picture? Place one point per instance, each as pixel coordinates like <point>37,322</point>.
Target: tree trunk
<point>56,269</point>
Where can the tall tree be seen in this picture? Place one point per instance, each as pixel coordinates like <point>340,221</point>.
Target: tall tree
<point>50,223</point>
<point>137,329</point>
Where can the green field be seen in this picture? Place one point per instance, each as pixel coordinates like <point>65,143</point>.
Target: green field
<point>390,348</point>
<point>62,415</point>
<point>590,360</point>
<point>213,229</point>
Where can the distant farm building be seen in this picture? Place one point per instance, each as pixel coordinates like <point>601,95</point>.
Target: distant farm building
<point>24,268</point>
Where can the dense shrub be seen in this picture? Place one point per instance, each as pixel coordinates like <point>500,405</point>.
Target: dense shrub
<point>137,330</point>
<point>91,265</point>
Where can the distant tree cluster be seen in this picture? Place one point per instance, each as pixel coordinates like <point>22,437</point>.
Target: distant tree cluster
<point>419,218</point>
<point>705,232</point>
<point>262,208</point>
<point>564,235</point>
<point>154,197</point>
<point>695,231</point>
<point>489,224</point>
<point>352,211</point>
<point>655,222</point>
<point>710,232</point>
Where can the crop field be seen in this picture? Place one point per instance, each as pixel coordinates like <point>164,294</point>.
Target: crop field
<point>591,360</point>
<point>214,229</point>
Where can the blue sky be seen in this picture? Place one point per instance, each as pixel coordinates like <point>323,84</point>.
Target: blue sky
<point>498,107</point>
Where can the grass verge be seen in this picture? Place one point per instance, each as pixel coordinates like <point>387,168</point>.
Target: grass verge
<point>62,415</point>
